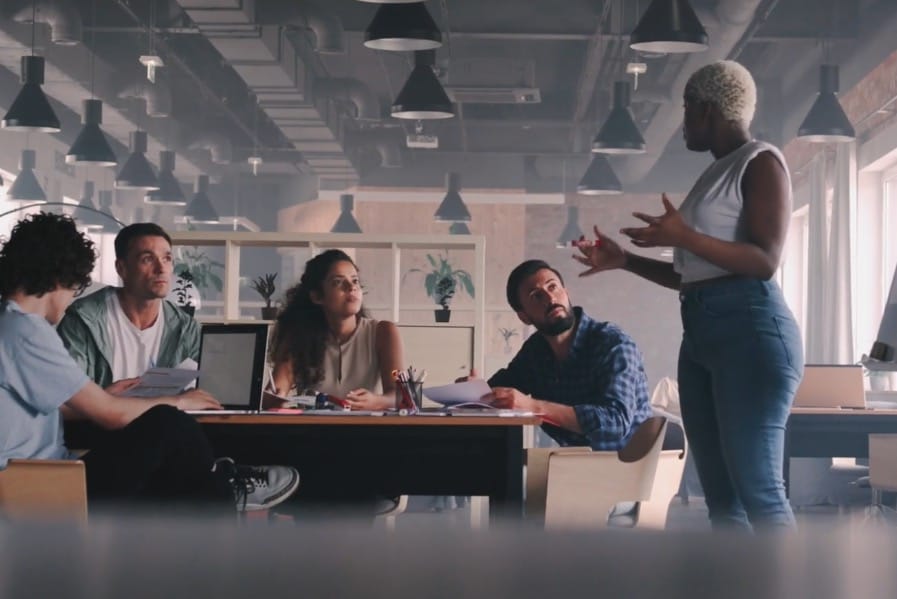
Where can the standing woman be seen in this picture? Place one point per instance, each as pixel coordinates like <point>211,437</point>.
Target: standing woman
<point>324,340</point>
<point>741,358</point>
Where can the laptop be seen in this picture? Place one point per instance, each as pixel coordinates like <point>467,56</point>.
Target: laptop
<point>831,386</point>
<point>232,366</point>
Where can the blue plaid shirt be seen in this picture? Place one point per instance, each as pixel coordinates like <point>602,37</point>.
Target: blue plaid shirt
<point>602,378</point>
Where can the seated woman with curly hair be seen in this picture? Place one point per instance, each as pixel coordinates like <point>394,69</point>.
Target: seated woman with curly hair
<point>324,340</point>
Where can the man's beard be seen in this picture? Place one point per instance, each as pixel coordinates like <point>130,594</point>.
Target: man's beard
<point>561,325</point>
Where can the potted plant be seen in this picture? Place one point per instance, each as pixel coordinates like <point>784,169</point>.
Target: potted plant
<point>194,272</point>
<point>184,292</point>
<point>264,286</point>
<point>441,283</point>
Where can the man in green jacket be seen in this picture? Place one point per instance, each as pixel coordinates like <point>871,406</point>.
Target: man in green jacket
<point>119,332</point>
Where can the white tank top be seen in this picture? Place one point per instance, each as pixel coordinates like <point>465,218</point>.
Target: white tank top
<point>714,206</point>
<point>353,364</point>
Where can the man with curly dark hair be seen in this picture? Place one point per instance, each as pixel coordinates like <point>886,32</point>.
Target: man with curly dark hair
<point>156,454</point>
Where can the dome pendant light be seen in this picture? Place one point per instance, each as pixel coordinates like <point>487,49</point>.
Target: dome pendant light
<point>572,231</point>
<point>91,147</point>
<point>402,28</point>
<point>31,111</point>
<point>619,134</point>
<point>599,179</point>
<point>200,209</point>
<point>459,229</point>
<point>26,187</point>
<point>169,192</point>
<point>423,97</point>
<point>826,121</point>
<point>669,26</point>
<point>137,173</point>
<point>452,207</point>
<point>346,222</point>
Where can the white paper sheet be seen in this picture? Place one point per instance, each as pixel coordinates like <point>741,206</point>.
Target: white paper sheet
<point>468,392</point>
<point>157,382</point>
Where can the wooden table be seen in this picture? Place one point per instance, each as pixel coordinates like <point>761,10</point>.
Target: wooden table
<point>385,455</point>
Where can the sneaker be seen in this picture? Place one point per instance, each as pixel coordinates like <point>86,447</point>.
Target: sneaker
<point>258,487</point>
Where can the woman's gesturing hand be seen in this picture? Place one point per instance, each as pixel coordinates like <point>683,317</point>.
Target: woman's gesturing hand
<point>667,229</point>
<point>602,254</point>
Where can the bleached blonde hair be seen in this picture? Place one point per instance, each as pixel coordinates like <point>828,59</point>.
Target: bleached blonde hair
<point>727,85</point>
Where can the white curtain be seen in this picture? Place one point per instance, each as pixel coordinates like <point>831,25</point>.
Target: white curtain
<point>817,256</point>
<point>829,331</point>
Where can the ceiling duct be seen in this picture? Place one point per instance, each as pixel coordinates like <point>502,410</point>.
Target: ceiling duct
<point>156,95</point>
<point>62,16</point>
<point>367,107</point>
<point>385,143</point>
<point>494,95</point>
<point>325,25</point>
<point>217,144</point>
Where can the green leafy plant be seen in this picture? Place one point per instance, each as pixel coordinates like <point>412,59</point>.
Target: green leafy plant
<point>264,286</point>
<point>442,281</point>
<point>201,269</point>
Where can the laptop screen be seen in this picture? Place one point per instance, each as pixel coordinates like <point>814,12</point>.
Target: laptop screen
<point>232,363</point>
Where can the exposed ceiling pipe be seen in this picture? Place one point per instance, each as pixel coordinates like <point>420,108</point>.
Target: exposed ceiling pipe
<point>327,27</point>
<point>217,144</point>
<point>157,95</point>
<point>387,143</point>
<point>734,18</point>
<point>61,15</point>
<point>367,106</point>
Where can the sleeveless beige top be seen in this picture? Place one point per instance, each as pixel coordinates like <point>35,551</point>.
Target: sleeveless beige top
<point>353,364</point>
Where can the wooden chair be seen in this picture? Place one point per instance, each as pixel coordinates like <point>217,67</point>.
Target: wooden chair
<point>575,487</point>
<point>44,490</point>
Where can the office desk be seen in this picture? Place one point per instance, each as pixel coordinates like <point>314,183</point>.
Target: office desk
<point>386,455</point>
<point>827,432</point>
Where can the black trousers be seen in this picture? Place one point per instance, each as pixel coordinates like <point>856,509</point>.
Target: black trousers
<point>160,461</point>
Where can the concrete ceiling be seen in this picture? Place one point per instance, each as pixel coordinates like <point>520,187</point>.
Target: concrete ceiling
<point>292,82</point>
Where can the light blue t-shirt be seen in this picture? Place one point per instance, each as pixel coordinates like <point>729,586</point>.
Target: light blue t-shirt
<point>37,375</point>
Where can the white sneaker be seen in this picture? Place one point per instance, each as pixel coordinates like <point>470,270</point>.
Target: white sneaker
<point>258,487</point>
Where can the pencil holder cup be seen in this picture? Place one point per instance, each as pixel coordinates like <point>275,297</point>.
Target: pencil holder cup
<point>409,396</point>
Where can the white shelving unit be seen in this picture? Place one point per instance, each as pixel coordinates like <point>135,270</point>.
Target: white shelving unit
<point>234,242</point>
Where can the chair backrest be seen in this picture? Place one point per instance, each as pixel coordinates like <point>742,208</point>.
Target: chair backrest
<point>43,490</point>
<point>583,487</point>
<point>883,462</point>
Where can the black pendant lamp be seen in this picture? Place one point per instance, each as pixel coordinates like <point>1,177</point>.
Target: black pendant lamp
<point>200,209</point>
<point>169,192</point>
<point>599,179</point>
<point>459,229</point>
<point>669,26</point>
<point>452,207</point>
<point>572,231</point>
<point>91,146</point>
<point>423,97</point>
<point>31,111</point>
<point>86,214</point>
<point>619,134</point>
<point>137,172</point>
<point>402,28</point>
<point>346,222</point>
<point>826,121</point>
<point>26,187</point>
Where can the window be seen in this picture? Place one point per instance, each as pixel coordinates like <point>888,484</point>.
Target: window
<point>793,272</point>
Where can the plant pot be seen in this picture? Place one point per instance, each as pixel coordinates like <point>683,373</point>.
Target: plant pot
<point>269,313</point>
<point>442,315</point>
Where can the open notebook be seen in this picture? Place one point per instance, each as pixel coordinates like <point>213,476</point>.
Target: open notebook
<point>232,366</point>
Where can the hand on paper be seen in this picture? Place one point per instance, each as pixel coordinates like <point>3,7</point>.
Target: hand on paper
<point>473,375</point>
<point>508,398</point>
<point>362,399</point>
<point>197,399</point>
<point>120,386</point>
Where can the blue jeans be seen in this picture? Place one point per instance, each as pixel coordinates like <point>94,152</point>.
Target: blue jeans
<point>740,363</point>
